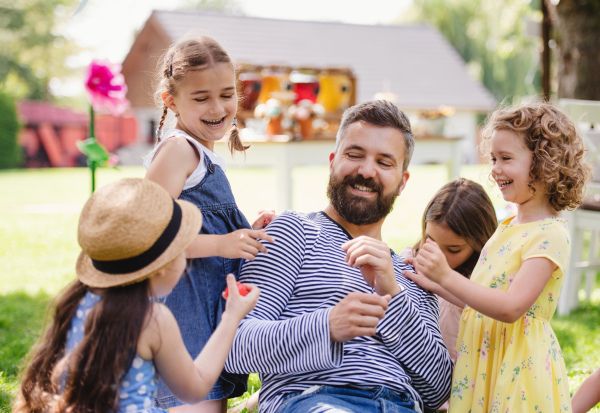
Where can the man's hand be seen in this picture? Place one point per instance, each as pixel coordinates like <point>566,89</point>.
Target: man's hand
<point>374,259</point>
<point>356,315</point>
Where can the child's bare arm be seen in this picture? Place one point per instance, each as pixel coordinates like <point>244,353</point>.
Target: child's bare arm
<point>588,394</point>
<point>172,164</point>
<point>191,380</point>
<point>507,306</point>
<point>242,243</point>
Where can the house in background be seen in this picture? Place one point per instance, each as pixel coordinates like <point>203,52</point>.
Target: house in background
<point>50,133</point>
<point>413,63</point>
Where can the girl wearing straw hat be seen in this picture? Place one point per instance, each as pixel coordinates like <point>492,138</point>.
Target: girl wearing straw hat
<point>109,341</point>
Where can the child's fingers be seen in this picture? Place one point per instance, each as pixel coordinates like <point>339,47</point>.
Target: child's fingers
<point>253,292</point>
<point>231,286</point>
<point>253,246</point>
<point>261,234</point>
<point>408,274</point>
<point>230,279</point>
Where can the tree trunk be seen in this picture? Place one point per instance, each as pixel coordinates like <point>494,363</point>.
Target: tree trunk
<point>577,33</point>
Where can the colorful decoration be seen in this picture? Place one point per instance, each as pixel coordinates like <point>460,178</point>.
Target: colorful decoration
<point>275,81</point>
<point>271,110</point>
<point>106,86</point>
<point>335,90</point>
<point>251,86</point>
<point>305,86</point>
<point>106,89</point>
<point>304,113</point>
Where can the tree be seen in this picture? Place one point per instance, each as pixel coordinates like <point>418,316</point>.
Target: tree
<point>577,34</point>
<point>11,154</point>
<point>490,37</point>
<point>32,51</point>
<point>224,6</point>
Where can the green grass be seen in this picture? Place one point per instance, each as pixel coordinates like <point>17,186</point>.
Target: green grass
<point>38,221</point>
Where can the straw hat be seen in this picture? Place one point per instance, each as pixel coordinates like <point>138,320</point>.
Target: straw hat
<point>130,229</point>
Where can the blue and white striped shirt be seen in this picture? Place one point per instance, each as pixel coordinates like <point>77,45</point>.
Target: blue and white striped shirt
<point>286,337</point>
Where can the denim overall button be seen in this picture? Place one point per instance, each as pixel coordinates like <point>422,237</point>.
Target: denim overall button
<point>211,168</point>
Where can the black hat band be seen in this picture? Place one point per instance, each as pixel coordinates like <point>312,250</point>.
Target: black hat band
<point>132,264</point>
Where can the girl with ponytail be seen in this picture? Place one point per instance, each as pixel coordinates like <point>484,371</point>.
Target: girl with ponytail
<point>197,83</point>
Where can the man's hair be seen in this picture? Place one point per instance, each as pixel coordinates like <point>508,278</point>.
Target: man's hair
<point>379,113</point>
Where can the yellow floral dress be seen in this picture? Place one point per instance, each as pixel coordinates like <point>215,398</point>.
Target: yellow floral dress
<point>518,367</point>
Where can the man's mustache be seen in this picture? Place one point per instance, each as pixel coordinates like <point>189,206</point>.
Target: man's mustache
<point>362,181</point>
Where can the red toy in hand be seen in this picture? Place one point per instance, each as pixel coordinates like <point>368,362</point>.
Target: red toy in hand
<point>241,289</point>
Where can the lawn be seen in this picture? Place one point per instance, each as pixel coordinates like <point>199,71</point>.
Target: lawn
<point>38,221</point>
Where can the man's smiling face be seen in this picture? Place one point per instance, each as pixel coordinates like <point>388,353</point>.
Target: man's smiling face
<point>366,173</point>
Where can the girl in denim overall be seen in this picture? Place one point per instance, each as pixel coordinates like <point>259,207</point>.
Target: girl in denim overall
<point>198,84</point>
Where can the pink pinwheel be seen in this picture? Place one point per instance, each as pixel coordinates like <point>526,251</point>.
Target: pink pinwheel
<point>107,89</point>
<point>106,86</point>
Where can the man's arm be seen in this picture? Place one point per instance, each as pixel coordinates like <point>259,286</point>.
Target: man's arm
<point>264,342</point>
<point>410,328</point>
<point>411,331</point>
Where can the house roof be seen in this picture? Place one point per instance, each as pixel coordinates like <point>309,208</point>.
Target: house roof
<point>35,112</point>
<point>415,62</point>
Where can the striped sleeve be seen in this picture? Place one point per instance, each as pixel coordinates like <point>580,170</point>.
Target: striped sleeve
<point>264,341</point>
<point>411,332</point>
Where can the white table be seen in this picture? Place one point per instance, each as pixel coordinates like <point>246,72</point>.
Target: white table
<point>285,156</point>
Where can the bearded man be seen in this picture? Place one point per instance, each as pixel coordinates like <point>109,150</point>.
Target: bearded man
<point>337,327</point>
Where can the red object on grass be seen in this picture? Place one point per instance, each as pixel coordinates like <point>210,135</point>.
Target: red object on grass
<point>241,289</point>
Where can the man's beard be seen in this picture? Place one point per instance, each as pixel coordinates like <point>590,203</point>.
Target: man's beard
<point>355,209</point>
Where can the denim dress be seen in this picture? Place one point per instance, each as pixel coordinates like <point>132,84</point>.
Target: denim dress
<point>196,300</point>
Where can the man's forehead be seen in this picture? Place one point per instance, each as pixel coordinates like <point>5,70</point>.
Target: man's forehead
<point>382,139</point>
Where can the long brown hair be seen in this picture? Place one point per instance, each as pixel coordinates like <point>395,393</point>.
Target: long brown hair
<point>86,379</point>
<point>185,56</point>
<point>466,209</point>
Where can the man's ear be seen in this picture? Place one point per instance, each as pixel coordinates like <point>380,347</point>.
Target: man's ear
<point>405,176</point>
<point>167,98</point>
<point>331,157</point>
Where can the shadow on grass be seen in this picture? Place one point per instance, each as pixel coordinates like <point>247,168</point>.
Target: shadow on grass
<point>22,319</point>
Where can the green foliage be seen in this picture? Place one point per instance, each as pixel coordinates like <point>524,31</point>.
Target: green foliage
<point>11,155</point>
<point>490,37</point>
<point>221,6</point>
<point>33,52</point>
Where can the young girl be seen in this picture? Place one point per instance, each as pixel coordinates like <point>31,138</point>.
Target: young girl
<point>198,84</point>
<point>509,359</point>
<point>460,218</point>
<point>109,340</point>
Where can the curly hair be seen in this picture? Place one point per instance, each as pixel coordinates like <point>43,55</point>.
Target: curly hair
<point>557,146</point>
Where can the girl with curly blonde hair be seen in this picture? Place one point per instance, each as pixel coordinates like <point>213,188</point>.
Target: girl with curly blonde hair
<point>506,348</point>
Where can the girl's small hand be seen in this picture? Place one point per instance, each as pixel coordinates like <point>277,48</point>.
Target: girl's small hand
<point>431,262</point>
<point>237,305</point>
<point>422,281</point>
<point>243,243</point>
<point>263,219</point>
